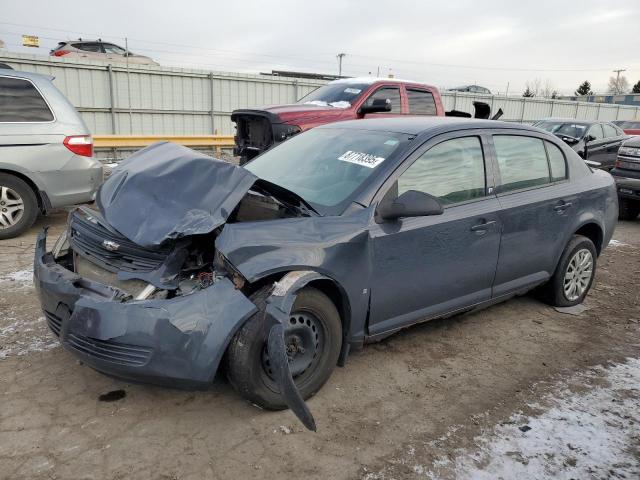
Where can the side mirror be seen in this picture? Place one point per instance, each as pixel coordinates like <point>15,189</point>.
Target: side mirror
<point>378,105</point>
<point>589,138</point>
<point>411,203</point>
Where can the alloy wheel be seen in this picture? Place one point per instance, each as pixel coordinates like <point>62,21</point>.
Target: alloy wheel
<point>11,207</point>
<point>578,274</point>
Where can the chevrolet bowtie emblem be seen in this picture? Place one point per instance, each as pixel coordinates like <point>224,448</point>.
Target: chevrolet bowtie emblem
<point>111,246</point>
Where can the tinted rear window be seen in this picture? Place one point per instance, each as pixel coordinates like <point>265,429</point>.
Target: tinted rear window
<point>20,101</point>
<point>421,102</point>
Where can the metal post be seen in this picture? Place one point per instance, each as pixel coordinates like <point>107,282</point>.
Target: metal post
<point>524,101</point>
<point>552,105</point>
<point>575,115</point>
<point>112,106</point>
<point>126,46</point>
<point>598,114</point>
<point>295,90</point>
<point>618,112</point>
<point>213,117</point>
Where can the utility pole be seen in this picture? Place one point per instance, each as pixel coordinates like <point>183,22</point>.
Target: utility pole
<point>617,72</point>
<point>340,57</point>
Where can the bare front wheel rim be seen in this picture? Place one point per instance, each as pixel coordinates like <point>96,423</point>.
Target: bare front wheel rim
<point>578,274</point>
<point>11,207</point>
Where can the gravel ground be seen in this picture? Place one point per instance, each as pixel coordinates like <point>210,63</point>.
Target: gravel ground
<point>518,390</point>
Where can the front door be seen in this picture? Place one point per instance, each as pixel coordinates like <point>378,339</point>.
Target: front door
<point>387,92</point>
<point>596,149</point>
<point>427,266</point>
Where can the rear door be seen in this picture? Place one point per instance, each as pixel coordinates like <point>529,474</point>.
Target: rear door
<point>535,202</point>
<point>614,138</point>
<point>427,266</point>
<point>597,148</point>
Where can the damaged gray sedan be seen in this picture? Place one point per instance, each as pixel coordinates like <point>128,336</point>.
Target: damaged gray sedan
<point>338,237</point>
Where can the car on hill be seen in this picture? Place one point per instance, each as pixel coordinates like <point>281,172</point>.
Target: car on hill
<point>99,50</point>
<point>597,142</point>
<point>338,237</point>
<point>46,152</point>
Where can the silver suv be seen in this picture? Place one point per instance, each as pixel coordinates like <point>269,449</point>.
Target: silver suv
<point>99,50</point>
<point>46,152</point>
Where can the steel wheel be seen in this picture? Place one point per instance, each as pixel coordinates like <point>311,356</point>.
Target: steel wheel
<point>11,207</point>
<point>304,338</point>
<point>578,274</point>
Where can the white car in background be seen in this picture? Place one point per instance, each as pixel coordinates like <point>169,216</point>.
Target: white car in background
<point>99,50</point>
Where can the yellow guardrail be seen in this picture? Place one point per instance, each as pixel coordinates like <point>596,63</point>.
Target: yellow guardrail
<point>126,141</point>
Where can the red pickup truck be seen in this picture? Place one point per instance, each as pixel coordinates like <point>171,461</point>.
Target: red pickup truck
<point>346,99</point>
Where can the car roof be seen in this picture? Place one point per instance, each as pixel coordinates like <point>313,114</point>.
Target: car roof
<point>418,125</point>
<point>27,75</point>
<point>372,80</point>
<point>571,120</point>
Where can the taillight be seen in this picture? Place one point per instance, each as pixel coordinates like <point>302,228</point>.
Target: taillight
<point>80,145</point>
<point>60,53</point>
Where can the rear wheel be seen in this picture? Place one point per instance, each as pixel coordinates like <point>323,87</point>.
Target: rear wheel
<point>628,209</point>
<point>313,338</point>
<point>18,206</point>
<point>574,275</point>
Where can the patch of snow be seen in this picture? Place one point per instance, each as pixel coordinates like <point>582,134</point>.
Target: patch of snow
<point>24,277</point>
<point>21,337</point>
<point>617,243</point>
<point>592,434</point>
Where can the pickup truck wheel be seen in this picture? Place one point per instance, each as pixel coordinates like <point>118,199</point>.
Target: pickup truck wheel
<point>628,209</point>
<point>574,275</point>
<point>18,206</point>
<point>313,339</point>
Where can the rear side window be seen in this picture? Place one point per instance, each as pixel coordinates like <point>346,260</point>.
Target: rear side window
<point>557,162</point>
<point>609,130</point>
<point>596,131</point>
<point>453,171</point>
<point>392,93</point>
<point>421,102</point>
<point>522,162</point>
<point>20,101</point>
<point>89,47</point>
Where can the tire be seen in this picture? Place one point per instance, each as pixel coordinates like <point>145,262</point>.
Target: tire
<point>18,206</point>
<point>628,209</point>
<point>554,292</point>
<point>246,360</point>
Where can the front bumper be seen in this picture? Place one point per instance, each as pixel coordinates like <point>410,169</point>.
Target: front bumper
<point>628,187</point>
<point>175,342</point>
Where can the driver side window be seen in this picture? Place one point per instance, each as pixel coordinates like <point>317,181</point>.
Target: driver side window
<point>392,93</point>
<point>452,170</point>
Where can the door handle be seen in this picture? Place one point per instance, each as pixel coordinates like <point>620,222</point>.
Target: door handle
<point>562,207</point>
<point>481,227</point>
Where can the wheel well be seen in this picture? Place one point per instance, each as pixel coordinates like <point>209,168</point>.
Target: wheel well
<point>29,182</point>
<point>594,233</point>
<point>328,287</point>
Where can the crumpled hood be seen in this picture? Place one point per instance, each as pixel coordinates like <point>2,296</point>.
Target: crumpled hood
<point>167,191</point>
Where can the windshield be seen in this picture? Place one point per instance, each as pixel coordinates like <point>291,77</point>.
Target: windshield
<point>339,95</point>
<point>325,166</point>
<point>570,129</point>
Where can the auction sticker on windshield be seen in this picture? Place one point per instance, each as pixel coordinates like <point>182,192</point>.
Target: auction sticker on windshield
<point>360,158</point>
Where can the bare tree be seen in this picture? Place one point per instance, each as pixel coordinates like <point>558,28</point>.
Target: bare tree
<point>539,88</point>
<point>618,85</point>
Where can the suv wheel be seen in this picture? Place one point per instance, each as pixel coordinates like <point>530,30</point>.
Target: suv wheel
<point>18,206</point>
<point>574,275</point>
<point>628,209</point>
<point>313,339</point>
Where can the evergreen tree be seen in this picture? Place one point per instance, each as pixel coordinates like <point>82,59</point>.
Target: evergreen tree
<point>584,88</point>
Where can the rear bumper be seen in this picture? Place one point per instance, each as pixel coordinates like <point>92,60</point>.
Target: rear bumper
<point>177,342</point>
<point>71,187</point>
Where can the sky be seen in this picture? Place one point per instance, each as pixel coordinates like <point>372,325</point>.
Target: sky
<point>498,44</point>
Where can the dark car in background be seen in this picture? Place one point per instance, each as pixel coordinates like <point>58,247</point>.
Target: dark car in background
<point>627,176</point>
<point>630,127</point>
<point>594,141</point>
<point>335,238</point>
